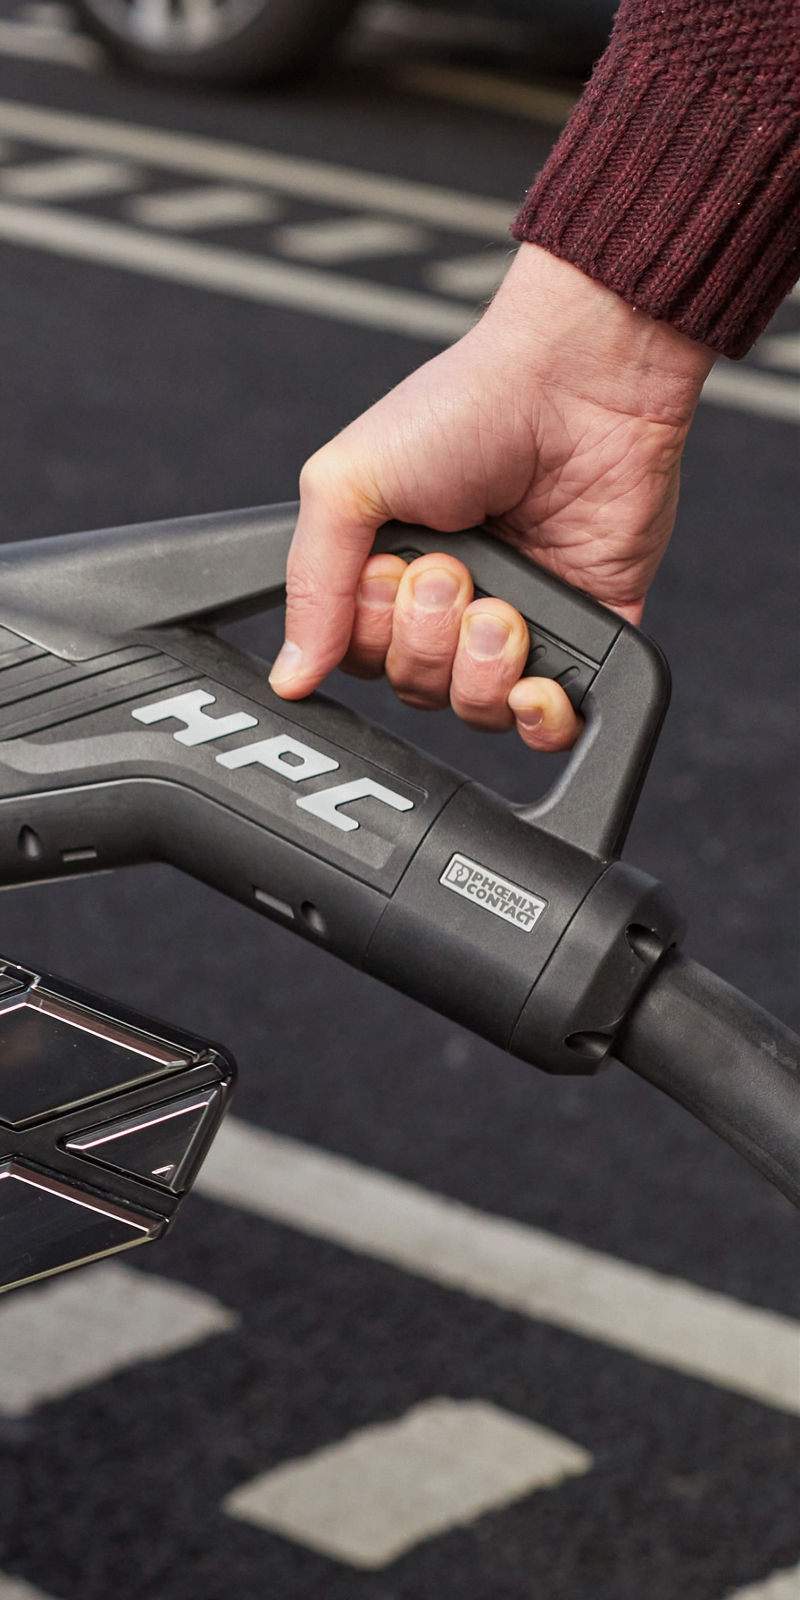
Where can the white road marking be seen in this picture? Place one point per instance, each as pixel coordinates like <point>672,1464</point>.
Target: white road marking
<point>48,14</point>
<point>348,239</point>
<point>783,1586</point>
<point>248,276</point>
<point>46,44</point>
<point>81,1328</point>
<point>68,178</point>
<point>660,1319</point>
<point>490,90</point>
<point>201,207</point>
<point>746,390</point>
<point>312,180</point>
<point>255,278</point>
<point>15,1589</point>
<point>375,1495</point>
<point>471,276</point>
<point>780,350</point>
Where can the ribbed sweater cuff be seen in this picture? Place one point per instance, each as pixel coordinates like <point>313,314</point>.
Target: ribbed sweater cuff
<point>680,193</point>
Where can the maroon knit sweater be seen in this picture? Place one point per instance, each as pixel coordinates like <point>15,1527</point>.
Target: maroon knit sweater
<point>677,179</point>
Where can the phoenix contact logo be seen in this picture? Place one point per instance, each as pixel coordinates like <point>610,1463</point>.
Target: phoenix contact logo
<point>280,753</point>
<point>484,888</point>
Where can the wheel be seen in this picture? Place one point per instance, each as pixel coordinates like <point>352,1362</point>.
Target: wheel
<point>215,40</point>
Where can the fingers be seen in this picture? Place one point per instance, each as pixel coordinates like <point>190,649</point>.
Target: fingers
<point>543,714</point>
<point>374,616</point>
<point>334,532</point>
<point>419,624</point>
<point>431,599</point>
<point>492,650</point>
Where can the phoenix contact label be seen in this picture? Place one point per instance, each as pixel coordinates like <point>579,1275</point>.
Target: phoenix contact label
<point>479,884</point>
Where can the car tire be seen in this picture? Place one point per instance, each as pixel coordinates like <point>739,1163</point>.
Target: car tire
<point>267,39</point>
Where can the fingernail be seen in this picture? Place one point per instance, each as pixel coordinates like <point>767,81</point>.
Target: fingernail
<point>436,589</point>
<point>378,591</point>
<point>287,664</point>
<point>487,637</point>
<point>530,718</point>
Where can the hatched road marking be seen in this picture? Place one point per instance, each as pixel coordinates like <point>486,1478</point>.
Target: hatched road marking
<point>15,1589</point>
<point>471,276</point>
<point>249,277</point>
<point>747,390</point>
<point>349,240</point>
<point>783,1586</point>
<point>296,175</point>
<point>201,207</point>
<point>262,277</point>
<point>68,178</point>
<point>85,1326</point>
<point>491,91</point>
<point>783,349</point>
<point>375,1495</point>
<point>694,1331</point>
<point>49,44</point>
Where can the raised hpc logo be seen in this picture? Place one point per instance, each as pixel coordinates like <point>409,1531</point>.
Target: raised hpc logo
<point>484,888</point>
<point>281,753</point>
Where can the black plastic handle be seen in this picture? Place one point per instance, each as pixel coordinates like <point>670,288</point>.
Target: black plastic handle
<point>611,672</point>
<point>78,595</point>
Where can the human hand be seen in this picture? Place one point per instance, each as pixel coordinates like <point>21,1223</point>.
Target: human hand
<point>559,420</point>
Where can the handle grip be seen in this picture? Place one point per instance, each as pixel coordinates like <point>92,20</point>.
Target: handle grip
<point>78,596</point>
<point>611,672</point>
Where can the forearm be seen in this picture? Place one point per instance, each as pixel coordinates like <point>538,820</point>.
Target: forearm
<point>579,337</point>
<point>677,181</point>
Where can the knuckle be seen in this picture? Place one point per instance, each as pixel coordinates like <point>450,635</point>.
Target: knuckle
<point>480,692</point>
<point>304,592</point>
<point>431,637</point>
<point>318,471</point>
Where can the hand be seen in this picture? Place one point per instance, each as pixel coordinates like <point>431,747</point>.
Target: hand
<point>560,420</point>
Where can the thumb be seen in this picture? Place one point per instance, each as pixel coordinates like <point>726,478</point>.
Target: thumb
<point>331,542</point>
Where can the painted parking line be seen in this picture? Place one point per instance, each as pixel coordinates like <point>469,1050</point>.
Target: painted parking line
<point>351,239</point>
<point>49,14</point>
<point>675,1324</point>
<point>44,34</point>
<point>472,277</point>
<point>16,1589</point>
<point>82,1328</point>
<point>746,390</point>
<point>68,178</point>
<point>375,1495</point>
<point>261,278</point>
<point>491,91</point>
<point>783,1586</point>
<point>204,206</point>
<point>782,349</point>
<point>258,278</point>
<point>49,44</point>
<point>211,158</point>
<point>248,276</point>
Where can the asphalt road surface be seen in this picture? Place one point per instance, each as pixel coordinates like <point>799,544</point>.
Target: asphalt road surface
<point>433,1326</point>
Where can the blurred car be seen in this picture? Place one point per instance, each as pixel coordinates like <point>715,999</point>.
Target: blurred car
<point>251,40</point>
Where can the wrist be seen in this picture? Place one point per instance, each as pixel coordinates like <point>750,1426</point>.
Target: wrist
<point>574,334</point>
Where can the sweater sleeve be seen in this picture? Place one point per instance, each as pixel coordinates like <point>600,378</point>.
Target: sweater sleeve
<point>676,182</point>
